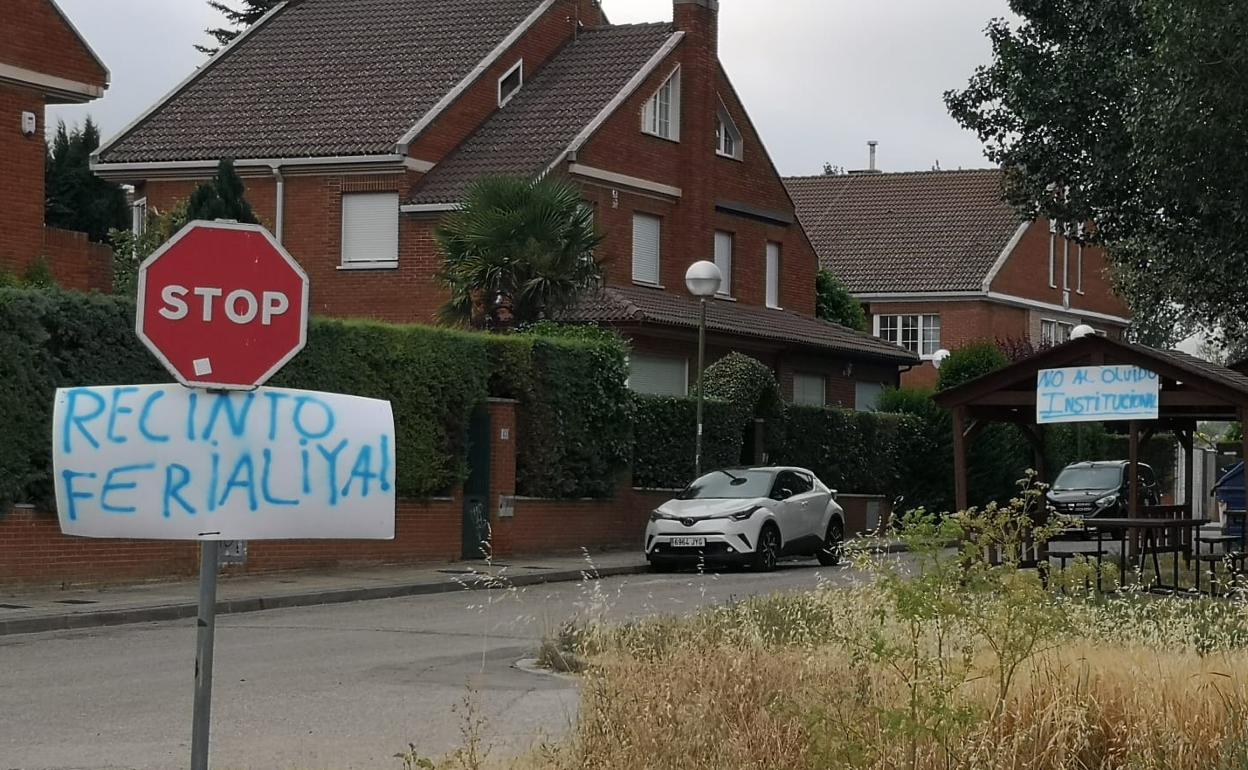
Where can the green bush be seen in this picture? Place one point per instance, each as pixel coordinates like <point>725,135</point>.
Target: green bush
<point>747,384</point>
<point>665,434</point>
<point>971,362</point>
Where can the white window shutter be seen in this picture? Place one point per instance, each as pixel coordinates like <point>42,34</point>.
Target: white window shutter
<point>867,396</point>
<point>370,228</point>
<point>810,390</point>
<point>647,240</point>
<point>773,275</point>
<point>723,260</point>
<point>656,376</point>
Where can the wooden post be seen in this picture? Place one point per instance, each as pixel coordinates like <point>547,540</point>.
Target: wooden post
<point>960,480</point>
<point>1041,465</point>
<point>1133,507</point>
<point>1188,440</point>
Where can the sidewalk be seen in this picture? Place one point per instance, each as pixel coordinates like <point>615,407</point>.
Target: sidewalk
<point>27,611</point>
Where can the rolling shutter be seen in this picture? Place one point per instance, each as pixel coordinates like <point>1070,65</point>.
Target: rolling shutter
<point>370,228</point>
<point>647,237</point>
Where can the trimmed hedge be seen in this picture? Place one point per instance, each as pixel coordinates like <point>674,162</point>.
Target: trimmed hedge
<point>666,432</point>
<point>574,438</point>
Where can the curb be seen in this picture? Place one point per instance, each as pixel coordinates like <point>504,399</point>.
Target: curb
<point>185,610</point>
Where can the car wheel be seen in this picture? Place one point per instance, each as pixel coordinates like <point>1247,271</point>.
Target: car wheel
<point>830,554</point>
<point>768,551</point>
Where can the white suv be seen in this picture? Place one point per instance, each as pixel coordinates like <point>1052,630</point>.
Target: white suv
<point>747,516</point>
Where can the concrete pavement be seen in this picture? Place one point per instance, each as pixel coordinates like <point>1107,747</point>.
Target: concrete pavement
<point>337,686</point>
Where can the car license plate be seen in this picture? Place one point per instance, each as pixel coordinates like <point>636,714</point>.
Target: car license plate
<point>688,542</point>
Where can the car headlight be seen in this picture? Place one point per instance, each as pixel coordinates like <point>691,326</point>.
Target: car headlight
<point>743,515</point>
<point>660,516</point>
<point>1107,501</point>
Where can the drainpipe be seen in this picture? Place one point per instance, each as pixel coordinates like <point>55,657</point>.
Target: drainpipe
<point>280,203</point>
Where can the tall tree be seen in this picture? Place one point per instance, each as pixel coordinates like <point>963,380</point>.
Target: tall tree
<point>242,18</point>
<point>517,252</point>
<point>834,303</point>
<point>75,198</point>
<point>1132,114</point>
<point>222,197</point>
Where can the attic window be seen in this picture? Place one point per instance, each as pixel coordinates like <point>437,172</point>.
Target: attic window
<point>661,116</point>
<point>727,136</point>
<point>510,83</point>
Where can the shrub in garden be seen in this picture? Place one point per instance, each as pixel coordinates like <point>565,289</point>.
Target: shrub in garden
<point>665,430</point>
<point>971,362</point>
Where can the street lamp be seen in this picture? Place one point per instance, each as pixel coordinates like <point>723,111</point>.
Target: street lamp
<point>703,279</point>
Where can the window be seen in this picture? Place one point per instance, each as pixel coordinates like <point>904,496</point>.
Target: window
<point>661,116</point>
<point>1079,270</point>
<point>1052,254</point>
<point>723,260</point>
<point>658,376</point>
<point>773,275</point>
<point>370,230</point>
<point>138,217</point>
<point>867,396</point>
<point>727,137</point>
<point>810,390</point>
<point>1054,332</point>
<point>1065,264</point>
<point>794,483</point>
<point>919,334</point>
<point>510,83</point>
<point>647,237</point>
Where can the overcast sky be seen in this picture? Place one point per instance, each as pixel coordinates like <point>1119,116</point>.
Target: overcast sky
<point>819,77</point>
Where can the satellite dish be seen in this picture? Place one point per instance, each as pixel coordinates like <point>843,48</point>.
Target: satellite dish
<point>1081,331</point>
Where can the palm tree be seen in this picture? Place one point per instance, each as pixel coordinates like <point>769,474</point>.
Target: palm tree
<point>517,252</point>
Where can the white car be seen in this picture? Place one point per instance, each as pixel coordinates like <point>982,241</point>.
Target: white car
<point>747,516</point>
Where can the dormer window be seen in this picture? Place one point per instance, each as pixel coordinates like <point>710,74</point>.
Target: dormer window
<point>727,136</point>
<point>661,116</point>
<point>510,83</point>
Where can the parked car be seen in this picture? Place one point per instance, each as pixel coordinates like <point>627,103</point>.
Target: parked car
<point>751,516</point>
<point>1091,489</point>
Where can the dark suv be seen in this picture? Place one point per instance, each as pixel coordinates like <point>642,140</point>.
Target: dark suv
<point>1100,489</point>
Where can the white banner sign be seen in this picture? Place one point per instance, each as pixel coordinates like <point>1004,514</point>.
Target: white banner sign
<point>1096,394</point>
<point>164,462</point>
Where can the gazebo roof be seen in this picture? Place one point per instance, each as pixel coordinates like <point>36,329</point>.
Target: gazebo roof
<point>1191,388</point>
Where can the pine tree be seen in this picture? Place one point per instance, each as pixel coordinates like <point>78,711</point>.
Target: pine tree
<point>75,198</point>
<point>251,12</point>
<point>222,197</point>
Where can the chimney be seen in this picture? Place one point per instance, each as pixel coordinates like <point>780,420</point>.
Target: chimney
<point>873,144</point>
<point>699,20</point>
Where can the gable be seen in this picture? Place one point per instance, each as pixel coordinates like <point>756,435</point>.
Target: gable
<point>40,40</point>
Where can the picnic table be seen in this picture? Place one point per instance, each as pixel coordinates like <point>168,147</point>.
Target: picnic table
<point>1142,536</point>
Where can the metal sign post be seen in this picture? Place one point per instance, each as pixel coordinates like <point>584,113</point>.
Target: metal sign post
<point>207,627</point>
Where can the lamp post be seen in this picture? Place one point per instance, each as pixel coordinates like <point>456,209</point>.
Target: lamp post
<point>703,279</point>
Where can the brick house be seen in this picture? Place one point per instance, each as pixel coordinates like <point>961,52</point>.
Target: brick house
<point>939,260</point>
<point>358,125</point>
<point>43,61</point>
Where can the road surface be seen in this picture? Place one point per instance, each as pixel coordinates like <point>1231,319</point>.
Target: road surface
<point>340,686</point>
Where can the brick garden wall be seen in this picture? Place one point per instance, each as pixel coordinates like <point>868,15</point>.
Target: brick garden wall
<point>76,262</point>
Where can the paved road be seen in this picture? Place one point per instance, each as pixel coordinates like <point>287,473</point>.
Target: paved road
<point>341,686</point>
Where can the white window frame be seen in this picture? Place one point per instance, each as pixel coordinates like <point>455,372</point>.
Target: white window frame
<point>1052,254</point>
<point>773,270</point>
<point>726,130</point>
<point>658,250</point>
<point>823,390</point>
<point>504,98</point>
<point>923,323</point>
<point>1056,326</point>
<point>684,362</point>
<point>138,216</point>
<point>1066,264</point>
<point>651,113</point>
<point>384,262</point>
<point>1079,271</point>
<point>724,261</point>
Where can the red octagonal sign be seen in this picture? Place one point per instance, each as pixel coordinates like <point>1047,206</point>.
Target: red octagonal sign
<point>222,305</point>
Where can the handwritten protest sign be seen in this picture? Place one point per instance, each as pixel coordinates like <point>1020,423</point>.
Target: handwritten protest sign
<point>1096,394</point>
<point>165,462</point>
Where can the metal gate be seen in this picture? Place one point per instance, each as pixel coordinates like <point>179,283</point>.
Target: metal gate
<point>476,529</point>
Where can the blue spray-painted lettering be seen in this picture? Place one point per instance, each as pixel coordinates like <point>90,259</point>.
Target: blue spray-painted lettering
<point>146,414</point>
<point>237,420</point>
<point>265,477</point>
<point>307,477</point>
<point>173,489</point>
<point>303,401</point>
<point>192,405</point>
<point>385,464</point>
<point>332,459</point>
<point>362,470</point>
<point>212,482</point>
<point>118,410</point>
<point>274,399</point>
<point>1082,377</point>
<point>1052,378</point>
<point>73,496</point>
<point>237,481</point>
<point>111,486</point>
<point>73,419</point>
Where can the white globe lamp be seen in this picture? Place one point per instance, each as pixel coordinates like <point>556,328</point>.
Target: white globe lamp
<point>704,279</point>
<point>1081,331</point>
<point>938,358</point>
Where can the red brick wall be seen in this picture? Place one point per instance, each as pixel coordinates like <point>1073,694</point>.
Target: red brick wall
<point>1026,274</point>
<point>76,262</point>
<point>570,526</point>
<point>38,39</point>
<point>21,178</point>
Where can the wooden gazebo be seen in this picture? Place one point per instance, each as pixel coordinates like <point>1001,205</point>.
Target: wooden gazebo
<point>1191,390</point>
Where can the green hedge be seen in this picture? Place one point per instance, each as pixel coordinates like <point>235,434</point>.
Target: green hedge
<point>574,439</point>
<point>665,434</point>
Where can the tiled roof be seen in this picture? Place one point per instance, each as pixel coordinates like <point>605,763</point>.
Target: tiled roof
<point>913,232</point>
<point>639,305</point>
<point>540,121</point>
<point>324,78</point>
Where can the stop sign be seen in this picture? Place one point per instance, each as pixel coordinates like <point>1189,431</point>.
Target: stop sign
<point>222,305</point>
